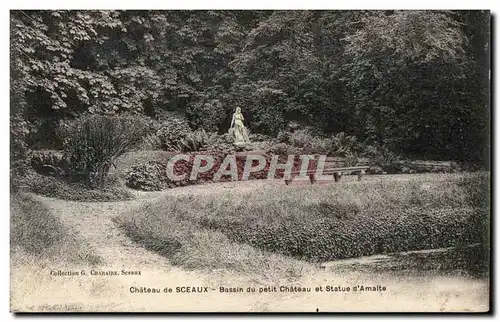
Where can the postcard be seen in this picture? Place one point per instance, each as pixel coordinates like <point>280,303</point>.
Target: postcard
<point>316,161</point>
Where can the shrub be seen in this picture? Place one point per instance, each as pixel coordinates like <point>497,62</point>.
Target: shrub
<point>153,176</point>
<point>282,149</point>
<point>300,138</point>
<point>206,114</point>
<point>403,216</point>
<point>284,137</point>
<point>44,133</point>
<point>93,142</point>
<point>343,144</point>
<point>59,188</point>
<point>173,130</point>
<point>49,162</point>
<point>303,141</point>
<point>150,176</point>
<point>388,217</point>
<point>198,140</point>
<point>257,137</point>
<point>150,140</point>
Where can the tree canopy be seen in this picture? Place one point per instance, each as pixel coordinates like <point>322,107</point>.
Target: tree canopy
<point>415,81</point>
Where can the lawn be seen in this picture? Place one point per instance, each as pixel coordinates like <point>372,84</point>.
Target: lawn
<point>263,229</point>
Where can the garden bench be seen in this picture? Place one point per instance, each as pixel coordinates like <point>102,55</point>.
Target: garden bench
<point>337,173</point>
<point>332,163</point>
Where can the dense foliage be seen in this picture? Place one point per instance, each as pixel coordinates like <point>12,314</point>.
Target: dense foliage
<point>415,82</point>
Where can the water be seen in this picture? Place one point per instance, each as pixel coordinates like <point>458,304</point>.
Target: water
<point>471,261</point>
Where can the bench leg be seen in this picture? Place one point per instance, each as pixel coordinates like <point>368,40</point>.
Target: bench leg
<point>312,178</point>
<point>337,176</point>
<point>361,174</point>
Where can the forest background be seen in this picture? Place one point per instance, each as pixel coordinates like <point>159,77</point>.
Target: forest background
<point>413,82</point>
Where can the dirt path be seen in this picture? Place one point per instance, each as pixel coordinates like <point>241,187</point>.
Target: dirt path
<point>92,222</point>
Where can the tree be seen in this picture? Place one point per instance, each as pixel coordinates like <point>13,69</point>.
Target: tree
<point>406,79</point>
<point>414,81</point>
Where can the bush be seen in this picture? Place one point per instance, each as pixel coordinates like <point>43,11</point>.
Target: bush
<point>304,141</point>
<point>187,245</point>
<point>282,149</point>
<point>384,158</point>
<point>150,141</point>
<point>198,140</point>
<point>389,217</point>
<point>52,163</point>
<point>44,133</point>
<point>150,176</point>
<point>221,144</point>
<point>59,188</point>
<point>176,135</point>
<point>93,142</point>
<point>173,130</point>
<point>392,218</point>
<point>478,187</point>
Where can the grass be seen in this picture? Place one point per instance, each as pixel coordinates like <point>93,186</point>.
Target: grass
<point>40,244</point>
<point>37,235</point>
<point>280,229</point>
<point>193,247</point>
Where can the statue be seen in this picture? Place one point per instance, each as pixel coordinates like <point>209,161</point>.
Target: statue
<point>238,129</point>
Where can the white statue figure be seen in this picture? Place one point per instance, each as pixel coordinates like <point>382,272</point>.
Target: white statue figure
<point>238,129</point>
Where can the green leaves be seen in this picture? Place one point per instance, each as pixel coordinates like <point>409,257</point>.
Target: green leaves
<point>405,74</point>
<point>397,78</point>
